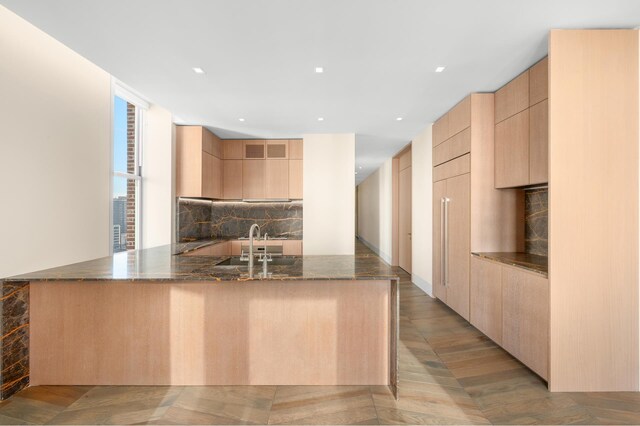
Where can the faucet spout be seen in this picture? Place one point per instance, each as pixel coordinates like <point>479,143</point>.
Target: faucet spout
<point>252,230</point>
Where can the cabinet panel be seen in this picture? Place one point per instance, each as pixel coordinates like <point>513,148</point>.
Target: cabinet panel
<point>217,175</point>
<point>440,130</point>
<point>454,147</point>
<point>296,149</point>
<point>189,162</point>
<point>232,149</point>
<point>278,149</point>
<point>404,219</point>
<point>253,179</point>
<point>254,149</point>
<point>295,179</point>
<point>277,179</point>
<point>512,151</point>
<point>458,243</point>
<point>539,143</point>
<point>292,248</point>
<point>458,166</point>
<point>221,249</point>
<point>207,176</point>
<point>405,159</point>
<point>485,296</point>
<point>460,116</point>
<point>538,82</point>
<point>232,189</point>
<point>512,98</point>
<point>211,143</point>
<point>525,320</point>
<point>439,192</point>
<point>236,248</point>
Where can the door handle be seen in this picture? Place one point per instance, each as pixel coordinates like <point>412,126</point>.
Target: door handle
<point>446,241</point>
<point>442,244</point>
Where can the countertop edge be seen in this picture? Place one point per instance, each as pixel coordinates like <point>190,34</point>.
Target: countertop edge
<point>508,262</point>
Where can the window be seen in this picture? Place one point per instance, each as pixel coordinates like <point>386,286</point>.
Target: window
<point>127,173</point>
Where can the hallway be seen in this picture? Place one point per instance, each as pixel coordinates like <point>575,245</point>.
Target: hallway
<point>450,373</point>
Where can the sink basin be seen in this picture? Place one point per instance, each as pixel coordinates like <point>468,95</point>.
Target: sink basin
<point>276,261</point>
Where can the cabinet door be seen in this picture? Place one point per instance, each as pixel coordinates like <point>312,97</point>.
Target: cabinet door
<point>539,82</point>
<point>232,180</point>
<point>486,298</point>
<point>254,149</point>
<point>404,217</point>
<point>278,148</point>
<point>292,248</point>
<point>441,130</point>
<point>218,175</point>
<point>221,249</point>
<point>512,151</point>
<point>539,143</point>
<point>296,149</point>
<point>525,319</point>
<point>439,193</point>
<point>253,179</point>
<point>232,149</point>
<point>277,179</point>
<point>458,209</point>
<point>207,175</point>
<point>512,97</point>
<point>460,116</point>
<point>295,179</point>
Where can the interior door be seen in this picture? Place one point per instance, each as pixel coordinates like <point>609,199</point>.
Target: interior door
<point>439,193</point>
<point>459,227</point>
<point>404,220</point>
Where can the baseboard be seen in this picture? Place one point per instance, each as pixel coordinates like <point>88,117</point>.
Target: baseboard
<point>376,250</point>
<point>423,284</point>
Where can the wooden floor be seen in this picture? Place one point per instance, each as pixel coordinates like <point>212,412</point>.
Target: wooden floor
<point>450,373</point>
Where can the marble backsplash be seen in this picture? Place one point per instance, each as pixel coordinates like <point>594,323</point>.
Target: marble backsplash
<point>536,221</point>
<point>202,219</point>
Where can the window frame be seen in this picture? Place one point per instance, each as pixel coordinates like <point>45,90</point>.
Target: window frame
<point>141,105</point>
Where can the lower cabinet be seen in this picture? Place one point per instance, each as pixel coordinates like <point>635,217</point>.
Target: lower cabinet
<point>289,247</point>
<point>220,249</point>
<point>511,306</point>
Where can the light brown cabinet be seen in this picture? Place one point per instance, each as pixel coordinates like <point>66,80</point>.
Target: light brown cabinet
<point>253,182</point>
<point>295,179</point>
<point>199,168</point>
<point>296,149</point>
<point>525,318</point>
<point>486,298</point>
<point>521,130</point>
<point>276,179</point>
<point>232,179</point>
<point>289,247</point>
<point>233,149</point>
<point>278,149</point>
<point>254,150</point>
<point>440,130</point>
<point>220,249</point>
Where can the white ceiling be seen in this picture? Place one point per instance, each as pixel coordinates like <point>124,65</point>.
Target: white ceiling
<point>259,56</point>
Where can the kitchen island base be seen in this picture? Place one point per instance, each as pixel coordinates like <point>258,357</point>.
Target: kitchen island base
<point>267,332</point>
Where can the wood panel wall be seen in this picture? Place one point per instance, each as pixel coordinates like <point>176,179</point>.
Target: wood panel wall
<point>593,209</point>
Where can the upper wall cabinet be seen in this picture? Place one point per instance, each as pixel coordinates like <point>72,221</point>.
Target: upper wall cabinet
<point>199,168</point>
<point>521,130</point>
<point>453,122</point>
<point>278,149</point>
<point>254,150</point>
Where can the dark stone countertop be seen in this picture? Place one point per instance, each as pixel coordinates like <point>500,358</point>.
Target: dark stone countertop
<point>530,262</point>
<point>161,264</point>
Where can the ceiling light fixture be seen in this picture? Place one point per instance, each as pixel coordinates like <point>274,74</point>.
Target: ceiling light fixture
<point>319,70</point>
<point>198,70</point>
<point>360,167</point>
<point>399,119</point>
<point>440,69</point>
<point>320,119</point>
<point>240,119</point>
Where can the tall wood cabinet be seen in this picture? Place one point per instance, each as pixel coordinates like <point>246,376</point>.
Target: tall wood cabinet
<point>469,213</point>
<point>199,165</point>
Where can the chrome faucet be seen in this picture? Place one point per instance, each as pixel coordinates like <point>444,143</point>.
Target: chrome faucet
<point>251,232</point>
<point>265,258</point>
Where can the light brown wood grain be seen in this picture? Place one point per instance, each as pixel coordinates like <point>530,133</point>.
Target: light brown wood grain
<point>232,149</point>
<point>395,210</point>
<point>217,174</point>
<point>512,151</point>
<point>453,147</point>
<point>440,130</point>
<point>254,146</point>
<point>439,193</point>
<point>538,82</point>
<point>539,143</point>
<point>198,333</point>
<point>405,158</point>
<point>276,179</point>
<point>512,98</point>
<point>458,166</point>
<point>253,182</point>
<point>189,162</point>
<point>278,148</point>
<point>211,143</point>
<point>486,298</point>
<point>296,179</point>
<point>404,217</point>
<point>593,209</point>
<point>208,176</point>
<point>232,180</point>
<point>460,116</point>
<point>296,149</point>
<point>525,320</point>
<point>292,248</point>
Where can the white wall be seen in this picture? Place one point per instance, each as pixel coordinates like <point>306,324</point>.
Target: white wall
<point>55,116</point>
<point>375,210</point>
<point>158,201</point>
<point>422,214</point>
<point>328,194</point>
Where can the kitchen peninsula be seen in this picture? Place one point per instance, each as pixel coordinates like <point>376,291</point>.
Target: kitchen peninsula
<point>161,317</point>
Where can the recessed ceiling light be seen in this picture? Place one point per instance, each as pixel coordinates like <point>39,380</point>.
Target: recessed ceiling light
<point>320,119</point>
<point>399,119</point>
<point>198,70</point>
<point>319,70</point>
<point>240,119</point>
<point>360,167</point>
<point>439,69</point>
<point>356,172</point>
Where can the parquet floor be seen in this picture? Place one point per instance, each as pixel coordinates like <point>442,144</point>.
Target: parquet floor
<point>450,373</point>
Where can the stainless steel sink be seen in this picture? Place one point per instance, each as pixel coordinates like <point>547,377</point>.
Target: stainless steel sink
<point>276,261</point>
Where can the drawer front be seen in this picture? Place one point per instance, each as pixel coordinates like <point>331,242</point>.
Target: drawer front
<point>454,147</point>
<point>456,167</point>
